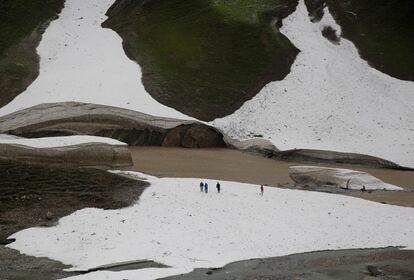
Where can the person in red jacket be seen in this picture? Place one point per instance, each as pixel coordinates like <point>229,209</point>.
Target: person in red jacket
<point>261,189</point>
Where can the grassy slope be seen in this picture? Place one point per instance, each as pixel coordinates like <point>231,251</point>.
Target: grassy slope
<point>204,58</point>
<point>21,25</point>
<point>382,30</point>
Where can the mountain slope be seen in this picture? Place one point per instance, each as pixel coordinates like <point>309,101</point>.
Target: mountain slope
<point>21,25</point>
<point>205,58</point>
<point>382,30</point>
<point>331,100</point>
<point>81,61</point>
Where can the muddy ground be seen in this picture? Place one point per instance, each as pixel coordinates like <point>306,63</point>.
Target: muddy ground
<point>389,263</point>
<point>233,165</point>
<point>32,195</point>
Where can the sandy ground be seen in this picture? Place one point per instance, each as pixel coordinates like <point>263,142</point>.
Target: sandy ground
<point>233,165</point>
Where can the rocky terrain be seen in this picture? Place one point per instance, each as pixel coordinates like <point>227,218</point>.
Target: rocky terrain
<point>389,263</point>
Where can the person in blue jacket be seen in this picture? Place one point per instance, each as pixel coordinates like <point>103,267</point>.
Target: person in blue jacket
<point>205,187</point>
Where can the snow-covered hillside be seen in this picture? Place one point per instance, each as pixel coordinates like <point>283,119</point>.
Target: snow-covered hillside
<point>175,224</point>
<point>331,100</point>
<point>81,61</point>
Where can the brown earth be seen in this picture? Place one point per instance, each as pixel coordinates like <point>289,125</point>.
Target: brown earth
<point>356,264</point>
<point>233,165</point>
<point>35,195</point>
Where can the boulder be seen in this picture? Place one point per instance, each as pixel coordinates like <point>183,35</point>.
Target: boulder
<point>342,178</point>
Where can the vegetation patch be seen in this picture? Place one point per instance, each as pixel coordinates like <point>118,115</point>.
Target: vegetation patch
<point>382,30</point>
<point>205,58</point>
<point>21,25</point>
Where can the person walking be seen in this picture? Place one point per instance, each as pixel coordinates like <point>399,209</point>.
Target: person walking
<point>218,187</point>
<point>205,187</point>
<point>261,189</point>
<point>201,186</point>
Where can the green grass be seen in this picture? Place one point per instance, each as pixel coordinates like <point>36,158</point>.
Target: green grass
<point>205,58</point>
<point>248,11</point>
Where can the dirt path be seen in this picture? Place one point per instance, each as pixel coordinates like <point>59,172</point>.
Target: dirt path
<point>233,165</point>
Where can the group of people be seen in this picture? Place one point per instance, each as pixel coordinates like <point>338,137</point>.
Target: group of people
<point>204,187</point>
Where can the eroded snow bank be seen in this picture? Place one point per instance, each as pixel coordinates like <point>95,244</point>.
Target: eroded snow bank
<point>52,142</point>
<point>81,61</point>
<point>338,177</point>
<point>175,224</point>
<point>331,100</point>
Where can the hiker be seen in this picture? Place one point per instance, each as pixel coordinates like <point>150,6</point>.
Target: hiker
<point>261,189</point>
<point>201,186</point>
<point>347,184</point>
<point>218,187</point>
<point>363,189</point>
<point>205,187</point>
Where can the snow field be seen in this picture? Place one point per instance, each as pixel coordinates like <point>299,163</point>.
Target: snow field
<point>175,224</point>
<point>53,142</point>
<point>331,100</point>
<point>80,61</point>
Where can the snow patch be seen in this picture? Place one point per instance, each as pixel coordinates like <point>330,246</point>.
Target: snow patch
<point>141,274</point>
<point>52,142</point>
<point>80,61</point>
<point>331,100</point>
<point>175,224</point>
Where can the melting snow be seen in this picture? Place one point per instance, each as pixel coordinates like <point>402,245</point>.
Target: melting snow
<point>175,224</point>
<point>331,100</point>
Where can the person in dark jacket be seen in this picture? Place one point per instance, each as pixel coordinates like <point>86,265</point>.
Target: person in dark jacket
<point>218,187</point>
<point>205,187</point>
<point>261,189</point>
<point>201,186</point>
